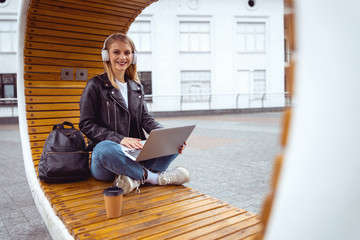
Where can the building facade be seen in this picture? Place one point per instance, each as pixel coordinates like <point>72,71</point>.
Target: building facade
<point>197,54</point>
<point>193,54</point>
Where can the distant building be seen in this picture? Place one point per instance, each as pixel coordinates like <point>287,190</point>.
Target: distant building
<point>193,54</point>
<point>8,48</point>
<point>229,54</point>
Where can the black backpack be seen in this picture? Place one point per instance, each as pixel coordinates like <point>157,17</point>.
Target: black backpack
<point>64,157</point>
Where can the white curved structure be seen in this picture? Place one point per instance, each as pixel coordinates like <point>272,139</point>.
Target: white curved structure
<point>318,194</point>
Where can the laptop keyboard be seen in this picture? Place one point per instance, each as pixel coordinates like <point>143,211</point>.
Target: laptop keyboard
<point>133,152</point>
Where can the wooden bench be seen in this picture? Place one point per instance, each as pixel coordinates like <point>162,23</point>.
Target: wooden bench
<point>69,34</point>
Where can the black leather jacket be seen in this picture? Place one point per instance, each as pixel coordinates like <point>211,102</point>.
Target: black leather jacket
<point>104,115</point>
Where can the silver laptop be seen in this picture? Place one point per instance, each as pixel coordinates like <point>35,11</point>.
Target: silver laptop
<point>161,142</point>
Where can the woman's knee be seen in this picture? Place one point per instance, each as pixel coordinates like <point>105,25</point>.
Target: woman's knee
<point>108,153</point>
<point>106,148</point>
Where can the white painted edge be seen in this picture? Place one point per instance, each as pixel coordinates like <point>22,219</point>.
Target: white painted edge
<point>56,228</point>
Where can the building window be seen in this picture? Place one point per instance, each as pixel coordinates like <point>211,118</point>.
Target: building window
<point>195,86</point>
<point>252,83</point>
<point>140,32</point>
<point>259,83</point>
<point>194,36</point>
<point>250,37</point>
<point>145,78</point>
<point>8,85</point>
<point>8,36</point>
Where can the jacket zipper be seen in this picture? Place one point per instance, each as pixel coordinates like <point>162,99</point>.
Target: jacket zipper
<point>108,111</point>
<point>115,117</point>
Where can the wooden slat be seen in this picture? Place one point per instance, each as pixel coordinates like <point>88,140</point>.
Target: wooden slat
<point>38,137</point>
<point>62,47</point>
<point>37,144</point>
<point>36,150</point>
<point>70,34</point>
<point>50,99</point>
<point>63,63</point>
<point>55,69</point>
<point>45,129</point>
<point>63,55</point>
<point>52,107</point>
<point>50,121</point>
<point>42,76</point>
<point>68,28</point>
<point>55,84</point>
<point>53,114</point>
<point>53,92</point>
<point>66,41</point>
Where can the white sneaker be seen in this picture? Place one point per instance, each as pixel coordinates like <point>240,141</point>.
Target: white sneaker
<point>127,183</point>
<point>176,176</point>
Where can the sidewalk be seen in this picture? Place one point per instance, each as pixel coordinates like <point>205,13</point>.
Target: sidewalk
<point>229,157</point>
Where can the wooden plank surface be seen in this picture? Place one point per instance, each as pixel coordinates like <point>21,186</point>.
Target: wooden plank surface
<point>158,212</point>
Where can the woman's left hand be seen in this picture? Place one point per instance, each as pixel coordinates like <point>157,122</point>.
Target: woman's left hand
<point>182,148</point>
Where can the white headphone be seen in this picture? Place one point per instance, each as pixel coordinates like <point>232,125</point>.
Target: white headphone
<point>105,53</point>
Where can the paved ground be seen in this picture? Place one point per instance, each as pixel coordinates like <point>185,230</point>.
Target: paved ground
<point>229,157</point>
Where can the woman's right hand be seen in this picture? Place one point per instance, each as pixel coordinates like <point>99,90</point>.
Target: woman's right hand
<point>131,142</point>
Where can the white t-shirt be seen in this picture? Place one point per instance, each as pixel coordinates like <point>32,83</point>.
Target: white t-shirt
<point>123,90</point>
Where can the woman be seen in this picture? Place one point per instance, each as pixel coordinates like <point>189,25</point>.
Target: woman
<point>112,112</point>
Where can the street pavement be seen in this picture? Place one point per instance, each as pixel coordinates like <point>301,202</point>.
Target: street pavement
<point>229,157</point>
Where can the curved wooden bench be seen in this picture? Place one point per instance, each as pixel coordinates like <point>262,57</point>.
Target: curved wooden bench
<point>66,36</point>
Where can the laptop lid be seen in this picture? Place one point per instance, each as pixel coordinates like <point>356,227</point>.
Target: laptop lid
<point>164,141</point>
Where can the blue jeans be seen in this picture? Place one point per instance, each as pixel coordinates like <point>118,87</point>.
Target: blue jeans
<point>108,160</point>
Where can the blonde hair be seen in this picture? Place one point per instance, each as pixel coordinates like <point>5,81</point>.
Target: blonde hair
<point>131,71</point>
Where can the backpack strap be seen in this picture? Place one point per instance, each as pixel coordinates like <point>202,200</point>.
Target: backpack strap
<point>61,126</point>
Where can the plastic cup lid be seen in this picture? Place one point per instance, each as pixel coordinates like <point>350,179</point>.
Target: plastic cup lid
<point>113,191</point>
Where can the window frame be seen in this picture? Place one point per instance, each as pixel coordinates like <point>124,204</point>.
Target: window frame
<point>199,34</point>
<point>13,34</point>
<point>248,34</point>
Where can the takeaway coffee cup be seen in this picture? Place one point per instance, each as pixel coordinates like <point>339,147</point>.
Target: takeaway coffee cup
<point>113,201</point>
